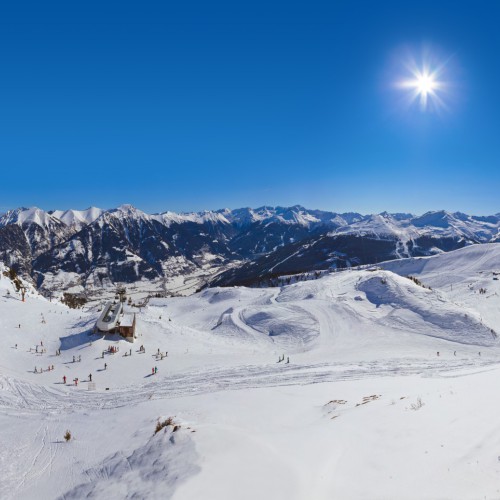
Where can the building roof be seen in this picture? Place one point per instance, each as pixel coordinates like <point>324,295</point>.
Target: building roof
<point>127,320</point>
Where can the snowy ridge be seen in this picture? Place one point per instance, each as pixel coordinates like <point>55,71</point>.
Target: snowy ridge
<point>440,223</point>
<point>436,224</point>
<point>196,217</point>
<point>94,249</point>
<point>31,215</point>
<point>78,217</point>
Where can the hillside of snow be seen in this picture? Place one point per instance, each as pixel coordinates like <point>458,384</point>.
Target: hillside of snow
<point>285,393</point>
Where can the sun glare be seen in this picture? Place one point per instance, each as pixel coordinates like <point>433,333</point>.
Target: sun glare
<point>424,84</point>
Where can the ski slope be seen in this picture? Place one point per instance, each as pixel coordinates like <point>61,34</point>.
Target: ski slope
<point>387,381</point>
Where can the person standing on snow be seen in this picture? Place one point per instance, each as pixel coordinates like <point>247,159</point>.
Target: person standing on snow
<point>90,377</point>
<point>64,379</point>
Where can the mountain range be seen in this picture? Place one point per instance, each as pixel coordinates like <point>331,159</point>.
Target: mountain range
<point>95,249</point>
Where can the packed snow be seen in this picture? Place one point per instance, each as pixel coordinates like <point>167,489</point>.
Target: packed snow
<point>361,384</point>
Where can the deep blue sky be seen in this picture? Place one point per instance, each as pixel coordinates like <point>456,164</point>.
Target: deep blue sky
<point>214,105</point>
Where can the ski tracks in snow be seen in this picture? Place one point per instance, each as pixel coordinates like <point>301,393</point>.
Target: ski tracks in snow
<point>26,396</point>
<point>37,464</point>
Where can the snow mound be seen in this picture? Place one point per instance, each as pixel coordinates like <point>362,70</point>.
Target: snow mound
<point>423,311</point>
<point>290,324</point>
<point>451,267</point>
<point>231,326</point>
<point>153,470</point>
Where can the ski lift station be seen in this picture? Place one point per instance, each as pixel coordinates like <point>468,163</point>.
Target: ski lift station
<point>114,319</point>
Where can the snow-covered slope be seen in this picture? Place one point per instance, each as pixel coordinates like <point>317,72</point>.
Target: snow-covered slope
<point>445,269</point>
<point>386,380</point>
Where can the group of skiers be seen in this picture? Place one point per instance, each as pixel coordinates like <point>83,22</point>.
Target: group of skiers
<point>76,380</point>
<point>38,349</point>
<point>282,358</point>
<point>49,369</point>
<point>160,355</point>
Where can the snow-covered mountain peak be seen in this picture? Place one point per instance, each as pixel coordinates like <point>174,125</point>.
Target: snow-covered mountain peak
<point>78,218</point>
<point>129,211</point>
<point>197,217</point>
<point>30,215</point>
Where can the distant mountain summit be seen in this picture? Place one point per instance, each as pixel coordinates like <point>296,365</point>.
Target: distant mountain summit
<point>94,249</point>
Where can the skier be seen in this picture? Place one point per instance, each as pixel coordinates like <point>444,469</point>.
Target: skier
<point>438,353</point>
<point>287,360</point>
<point>130,354</point>
<point>156,369</point>
<point>152,371</point>
<point>90,377</point>
<point>105,366</point>
<point>35,370</point>
<point>16,346</point>
<point>64,379</point>
<point>79,358</point>
<point>73,359</point>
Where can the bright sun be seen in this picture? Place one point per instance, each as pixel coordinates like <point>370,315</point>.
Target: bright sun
<point>425,88</point>
<point>425,83</point>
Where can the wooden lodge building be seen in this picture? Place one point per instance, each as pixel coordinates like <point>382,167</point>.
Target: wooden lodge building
<point>126,327</point>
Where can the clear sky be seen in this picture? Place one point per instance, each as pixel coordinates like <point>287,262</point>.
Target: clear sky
<point>210,105</point>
